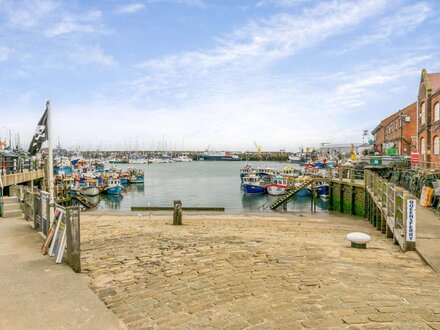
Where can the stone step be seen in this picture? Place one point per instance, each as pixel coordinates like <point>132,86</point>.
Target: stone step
<point>11,214</point>
<point>10,200</point>
<point>11,207</point>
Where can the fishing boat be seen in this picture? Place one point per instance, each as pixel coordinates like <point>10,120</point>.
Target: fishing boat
<point>254,184</point>
<point>278,186</point>
<point>305,191</point>
<point>136,176</point>
<point>298,158</point>
<point>266,171</point>
<point>124,178</point>
<point>322,190</point>
<point>245,171</point>
<point>290,172</point>
<point>182,159</point>
<point>219,155</point>
<point>90,187</point>
<point>112,186</point>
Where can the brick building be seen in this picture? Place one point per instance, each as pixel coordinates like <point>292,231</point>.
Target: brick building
<point>396,135</point>
<point>428,128</point>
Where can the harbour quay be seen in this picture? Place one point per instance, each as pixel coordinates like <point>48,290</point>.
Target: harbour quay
<point>254,271</point>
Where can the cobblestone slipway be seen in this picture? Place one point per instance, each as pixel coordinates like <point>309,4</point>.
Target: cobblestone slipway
<point>245,271</point>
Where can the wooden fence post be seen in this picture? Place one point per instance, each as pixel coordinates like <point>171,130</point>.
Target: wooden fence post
<point>73,238</point>
<point>177,215</point>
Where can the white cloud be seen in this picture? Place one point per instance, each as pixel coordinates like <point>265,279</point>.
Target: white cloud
<point>5,53</point>
<point>263,41</point>
<point>280,3</point>
<point>398,23</point>
<point>196,3</point>
<point>88,22</point>
<point>131,8</point>
<point>26,14</point>
<point>92,54</point>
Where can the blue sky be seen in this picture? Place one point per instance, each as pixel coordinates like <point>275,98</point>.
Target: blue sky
<point>217,73</point>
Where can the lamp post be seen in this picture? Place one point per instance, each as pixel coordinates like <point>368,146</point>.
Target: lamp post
<point>403,118</point>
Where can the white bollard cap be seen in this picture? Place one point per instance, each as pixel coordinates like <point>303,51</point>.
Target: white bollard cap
<point>358,240</point>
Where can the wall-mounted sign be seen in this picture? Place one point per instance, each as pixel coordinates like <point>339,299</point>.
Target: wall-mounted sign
<point>411,220</point>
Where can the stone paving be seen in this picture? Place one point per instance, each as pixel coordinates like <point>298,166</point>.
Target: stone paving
<point>245,271</point>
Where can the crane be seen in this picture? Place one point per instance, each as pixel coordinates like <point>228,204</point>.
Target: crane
<point>258,149</point>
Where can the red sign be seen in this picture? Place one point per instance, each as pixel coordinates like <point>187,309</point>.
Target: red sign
<point>414,158</point>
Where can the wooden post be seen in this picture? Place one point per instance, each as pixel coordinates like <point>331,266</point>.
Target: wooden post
<point>73,238</point>
<point>341,197</point>
<point>353,199</point>
<point>177,215</point>
<point>330,189</point>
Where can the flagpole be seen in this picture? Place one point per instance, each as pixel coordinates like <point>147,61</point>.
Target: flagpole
<point>50,157</point>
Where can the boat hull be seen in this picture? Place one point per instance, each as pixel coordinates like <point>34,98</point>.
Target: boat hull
<point>276,190</point>
<point>322,190</point>
<point>116,190</point>
<point>219,158</point>
<point>90,191</point>
<point>138,180</point>
<point>304,192</point>
<point>251,189</point>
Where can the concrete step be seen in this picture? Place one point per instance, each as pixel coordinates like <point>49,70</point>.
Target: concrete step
<point>11,207</point>
<point>11,214</point>
<point>10,200</point>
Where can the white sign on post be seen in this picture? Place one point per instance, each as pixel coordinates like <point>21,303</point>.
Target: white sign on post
<point>411,220</point>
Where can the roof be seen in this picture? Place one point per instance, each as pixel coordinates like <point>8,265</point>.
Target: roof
<point>434,81</point>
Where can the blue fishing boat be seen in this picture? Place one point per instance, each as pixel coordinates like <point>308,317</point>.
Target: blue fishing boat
<point>112,186</point>
<point>322,190</point>
<point>136,176</point>
<point>254,184</point>
<point>304,192</point>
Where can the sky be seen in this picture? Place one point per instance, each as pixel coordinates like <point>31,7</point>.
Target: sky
<point>217,74</point>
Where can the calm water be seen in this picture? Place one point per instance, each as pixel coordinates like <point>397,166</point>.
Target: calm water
<point>201,183</point>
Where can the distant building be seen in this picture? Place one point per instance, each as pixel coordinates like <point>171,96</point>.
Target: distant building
<point>416,127</point>
<point>343,148</point>
<point>428,129</point>
<point>396,134</point>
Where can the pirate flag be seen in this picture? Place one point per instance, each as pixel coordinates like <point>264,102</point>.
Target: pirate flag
<point>40,135</point>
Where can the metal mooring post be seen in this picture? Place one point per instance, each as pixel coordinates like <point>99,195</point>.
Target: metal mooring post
<point>177,215</point>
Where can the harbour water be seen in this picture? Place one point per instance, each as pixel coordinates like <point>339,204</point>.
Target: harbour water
<point>198,184</point>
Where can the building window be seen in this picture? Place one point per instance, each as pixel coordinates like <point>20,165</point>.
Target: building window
<point>437,111</point>
<point>436,145</point>
<point>422,146</point>
<point>423,114</point>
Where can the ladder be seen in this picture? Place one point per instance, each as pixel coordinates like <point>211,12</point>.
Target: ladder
<point>284,199</point>
<point>83,200</point>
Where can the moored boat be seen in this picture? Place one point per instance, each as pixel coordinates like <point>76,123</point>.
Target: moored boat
<point>254,184</point>
<point>278,186</point>
<point>90,187</point>
<point>322,190</point>
<point>112,186</point>
<point>219,156</point>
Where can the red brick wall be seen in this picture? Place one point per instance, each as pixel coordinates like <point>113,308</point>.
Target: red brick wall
<point>435,127</point>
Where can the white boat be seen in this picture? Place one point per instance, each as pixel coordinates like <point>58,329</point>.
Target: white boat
<point>182,159</point>
<point>278,186</point>
<point>155,160</point>
<point>90,187</point>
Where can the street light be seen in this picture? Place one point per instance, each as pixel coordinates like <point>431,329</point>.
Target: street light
<point>403,118</point>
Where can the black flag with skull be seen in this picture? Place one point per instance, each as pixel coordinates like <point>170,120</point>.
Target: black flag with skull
<point>40,135</point>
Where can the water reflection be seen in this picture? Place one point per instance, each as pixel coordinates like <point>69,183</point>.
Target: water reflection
<point>112,201</point>
<point>253,202</point>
